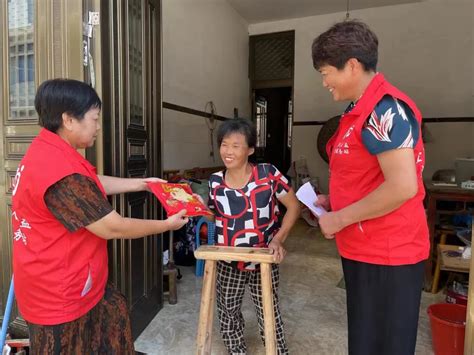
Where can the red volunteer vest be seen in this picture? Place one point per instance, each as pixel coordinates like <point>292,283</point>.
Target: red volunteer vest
<point>398,238</point>
<point>59,276</point>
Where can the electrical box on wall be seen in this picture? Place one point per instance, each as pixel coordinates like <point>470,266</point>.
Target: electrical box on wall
<point>94,18</point>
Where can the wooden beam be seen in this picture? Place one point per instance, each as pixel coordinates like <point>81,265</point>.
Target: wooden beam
<point>192,111</point>
<point>309,123</point>
<point>256,255</point>
<point>206,314</point>
<point>268,312</point>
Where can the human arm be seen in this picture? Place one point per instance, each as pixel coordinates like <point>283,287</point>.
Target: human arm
<point>400,185</point>
<point>114,226</point>
<point>77,202</point>
<point>292,213</point>
<point>115,185</point>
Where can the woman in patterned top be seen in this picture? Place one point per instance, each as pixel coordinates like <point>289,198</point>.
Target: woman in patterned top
<point>244,198</point>
<point>62,221</point>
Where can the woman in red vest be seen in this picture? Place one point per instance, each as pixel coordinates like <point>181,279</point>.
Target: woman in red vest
<point>375,193</point>
<point>61,221</point>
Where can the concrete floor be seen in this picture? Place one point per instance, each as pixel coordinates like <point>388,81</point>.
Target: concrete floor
<point>313,307</point>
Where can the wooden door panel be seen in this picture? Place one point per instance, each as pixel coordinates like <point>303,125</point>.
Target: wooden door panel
<point>132,113</point>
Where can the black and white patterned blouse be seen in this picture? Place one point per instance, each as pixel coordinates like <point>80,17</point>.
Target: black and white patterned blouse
<point>247,217</point>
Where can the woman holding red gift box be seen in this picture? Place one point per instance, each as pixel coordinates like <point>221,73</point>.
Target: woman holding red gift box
<point>62,221</point>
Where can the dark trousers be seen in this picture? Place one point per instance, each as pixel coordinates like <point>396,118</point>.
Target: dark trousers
<point>383,304</point>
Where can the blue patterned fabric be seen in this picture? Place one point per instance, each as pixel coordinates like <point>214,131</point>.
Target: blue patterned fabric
<point>392,125</point>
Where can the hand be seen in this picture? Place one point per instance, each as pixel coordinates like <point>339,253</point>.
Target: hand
<point>144,182</point>
<point>177,221</point>
<point>323,201</point>
<point>276,248</point>
<point>330,223</point>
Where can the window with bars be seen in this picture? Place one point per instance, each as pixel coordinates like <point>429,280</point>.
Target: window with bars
<point>261,121</point>
<point>290,123</point>
<point>272,56</point>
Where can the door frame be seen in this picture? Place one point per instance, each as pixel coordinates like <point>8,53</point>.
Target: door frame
<point>286,155</point>
<point>273,83</point>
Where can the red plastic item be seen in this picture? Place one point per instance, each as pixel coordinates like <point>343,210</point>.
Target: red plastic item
<point>455,297</point>
<point>448,327</point>
<point>203,231</point>
<point>176,197</point>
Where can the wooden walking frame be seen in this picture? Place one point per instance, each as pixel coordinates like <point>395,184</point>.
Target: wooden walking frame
<point>212,254</point>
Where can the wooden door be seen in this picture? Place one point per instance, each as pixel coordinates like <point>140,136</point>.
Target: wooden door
<point>132,136</point>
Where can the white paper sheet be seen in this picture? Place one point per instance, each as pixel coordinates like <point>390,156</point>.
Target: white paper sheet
<point>307,195</point>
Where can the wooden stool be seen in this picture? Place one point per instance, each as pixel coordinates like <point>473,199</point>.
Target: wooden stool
<point>212,254</point>
<point>172,292</point>
<point>171,271</point>
<point>444,233</point>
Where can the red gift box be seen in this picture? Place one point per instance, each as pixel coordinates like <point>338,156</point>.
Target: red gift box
<point>177,197</point>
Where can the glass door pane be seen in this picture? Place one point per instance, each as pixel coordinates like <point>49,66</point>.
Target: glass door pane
<point>21,59</point>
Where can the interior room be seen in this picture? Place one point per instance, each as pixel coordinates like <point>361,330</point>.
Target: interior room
<point>429,62</point>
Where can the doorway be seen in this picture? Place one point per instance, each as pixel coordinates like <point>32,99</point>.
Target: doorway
<point>273,115</point>
<point>271,71</point>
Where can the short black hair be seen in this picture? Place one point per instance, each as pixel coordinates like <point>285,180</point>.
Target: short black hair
<point>343,41</point>
<point>57,96</point>
<point>238,125</point>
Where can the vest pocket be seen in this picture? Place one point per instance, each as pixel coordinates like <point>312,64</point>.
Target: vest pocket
<point>355,233</point>
<point>388,229</point>
<point>360,230</point>
<point>88,283</point>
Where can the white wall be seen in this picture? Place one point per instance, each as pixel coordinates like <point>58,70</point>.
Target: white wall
<point>426,49</point>
<point>205,58</point>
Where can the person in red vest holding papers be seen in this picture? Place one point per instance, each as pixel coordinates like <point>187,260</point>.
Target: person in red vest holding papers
<point>375,193</point>
<point>61,221</point>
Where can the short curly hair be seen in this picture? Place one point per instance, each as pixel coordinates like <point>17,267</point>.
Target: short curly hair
<point>343,41</point>
<point>238,125</point>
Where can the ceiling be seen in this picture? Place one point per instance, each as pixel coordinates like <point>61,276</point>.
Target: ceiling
<point>255,11</point>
